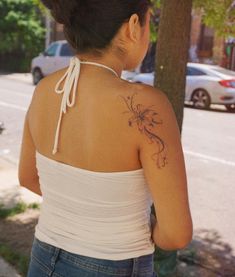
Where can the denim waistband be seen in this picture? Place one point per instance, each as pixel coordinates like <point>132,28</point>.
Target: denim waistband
<point>47,256</point>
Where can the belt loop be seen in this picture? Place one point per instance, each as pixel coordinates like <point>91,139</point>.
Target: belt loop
<point>135,267</point>
<point>54,258</point>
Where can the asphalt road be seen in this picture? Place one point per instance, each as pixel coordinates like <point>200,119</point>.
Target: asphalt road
<point>208,142</point>
<point>15,97</point>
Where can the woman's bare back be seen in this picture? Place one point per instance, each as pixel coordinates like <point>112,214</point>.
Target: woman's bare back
<point>94,133</point>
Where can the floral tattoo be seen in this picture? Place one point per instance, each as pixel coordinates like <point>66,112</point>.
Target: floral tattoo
<point>146,119</point>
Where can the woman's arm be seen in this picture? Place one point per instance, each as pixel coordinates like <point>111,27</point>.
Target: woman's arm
<point>27,171</point>
<point>162,159</point>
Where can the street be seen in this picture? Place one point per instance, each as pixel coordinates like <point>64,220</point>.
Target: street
<point>208,142</point>
<point>15,97</point>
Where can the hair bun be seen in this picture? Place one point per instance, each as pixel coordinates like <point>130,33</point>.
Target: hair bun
<point>61,10</point>
<point>85,20</point>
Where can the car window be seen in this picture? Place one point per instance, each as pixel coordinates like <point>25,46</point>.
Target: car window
<point>51,51</point>
<point>66,50</point>
<point>191,71</point>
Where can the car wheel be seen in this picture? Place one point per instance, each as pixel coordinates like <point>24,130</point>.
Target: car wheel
<point>37,76</point>
<point>230,107</point>
<point>201,99</point>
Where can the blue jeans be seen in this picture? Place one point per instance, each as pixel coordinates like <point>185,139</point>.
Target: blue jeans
<point>47,260</point>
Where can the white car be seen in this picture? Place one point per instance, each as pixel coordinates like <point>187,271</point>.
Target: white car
<point>205,85</point>
<point>55,57</point>
<point>128,75</point>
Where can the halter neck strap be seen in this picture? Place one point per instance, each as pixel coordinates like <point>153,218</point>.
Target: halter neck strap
<point>71,77</point>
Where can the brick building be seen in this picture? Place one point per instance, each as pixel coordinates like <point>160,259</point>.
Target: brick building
<point>205,46</point>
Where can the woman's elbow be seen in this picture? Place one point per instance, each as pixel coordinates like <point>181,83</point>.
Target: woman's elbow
<point>30,184</point>
<point>183,241</point>
<point>183,237</point>
<point>23,181</point>
<point>174,239</point>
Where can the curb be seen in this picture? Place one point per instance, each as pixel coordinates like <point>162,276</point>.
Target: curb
<point>7,270</point>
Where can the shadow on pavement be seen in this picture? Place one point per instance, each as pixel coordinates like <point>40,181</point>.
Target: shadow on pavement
<point>207,256</point>
<point>17,232</point>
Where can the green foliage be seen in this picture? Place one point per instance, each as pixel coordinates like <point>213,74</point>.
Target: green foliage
<point>154,24</point>
<point>34,206</point>
<point>17,209</point>
<point>21,28</point>
<point>219,15</point>
<point>20,262</point>
<point>39,4</point>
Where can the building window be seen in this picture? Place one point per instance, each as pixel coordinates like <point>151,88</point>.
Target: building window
<point>206,42</point>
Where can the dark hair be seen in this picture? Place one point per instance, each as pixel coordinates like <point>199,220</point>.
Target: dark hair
<point>92,24</point>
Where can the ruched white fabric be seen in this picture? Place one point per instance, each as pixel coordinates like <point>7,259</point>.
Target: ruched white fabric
<point>95,214</point>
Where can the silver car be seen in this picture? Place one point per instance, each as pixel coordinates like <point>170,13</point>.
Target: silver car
<point>205,85</point>
<point>55,57</point>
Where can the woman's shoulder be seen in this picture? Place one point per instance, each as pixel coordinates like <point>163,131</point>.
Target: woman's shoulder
<point>50,80</point>
<point>43,95</point>
<point>140,96</point>
<point>47,85</point>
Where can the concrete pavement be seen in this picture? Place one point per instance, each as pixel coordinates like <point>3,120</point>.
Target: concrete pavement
<point>11,194</point>
<point>6,270</point>
<point>10,191</point>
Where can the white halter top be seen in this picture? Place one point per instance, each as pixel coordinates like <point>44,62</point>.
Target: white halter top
<point>104,215</point>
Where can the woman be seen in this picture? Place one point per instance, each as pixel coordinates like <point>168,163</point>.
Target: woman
<point>100,150</point>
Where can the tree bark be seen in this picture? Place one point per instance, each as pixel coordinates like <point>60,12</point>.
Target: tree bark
<point>170,77</point>
<point>172,52</point>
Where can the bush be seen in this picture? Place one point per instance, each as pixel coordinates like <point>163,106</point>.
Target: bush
<point>21,34</point>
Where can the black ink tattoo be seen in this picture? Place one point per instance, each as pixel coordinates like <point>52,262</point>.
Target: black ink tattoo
<point>146,119</point>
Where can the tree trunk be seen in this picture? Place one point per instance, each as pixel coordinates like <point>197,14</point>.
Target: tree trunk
<point>172,52</point>
<point>170,77</point>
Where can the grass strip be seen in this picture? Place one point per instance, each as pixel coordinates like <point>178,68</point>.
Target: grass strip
<point>20,207</point>
<point>19,261</point>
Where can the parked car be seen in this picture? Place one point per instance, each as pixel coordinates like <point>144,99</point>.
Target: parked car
<point>205,85</point>
<point>128,75</point>
<point>55,57</point>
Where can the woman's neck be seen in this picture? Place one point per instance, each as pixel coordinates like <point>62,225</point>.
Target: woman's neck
<point>107,60</point>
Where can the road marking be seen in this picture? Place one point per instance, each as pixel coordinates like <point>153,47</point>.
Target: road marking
<point>210,158</point>
<point>4,104</point>
<point>24,94</point>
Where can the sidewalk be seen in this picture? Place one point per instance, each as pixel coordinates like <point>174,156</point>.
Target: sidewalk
<point>23,77</point>
<point>10,191</point>
<point>11,194</point>
<point>6,270</point>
